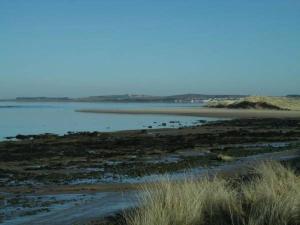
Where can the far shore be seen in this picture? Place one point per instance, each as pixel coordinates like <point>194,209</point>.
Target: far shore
<point>203,112</point>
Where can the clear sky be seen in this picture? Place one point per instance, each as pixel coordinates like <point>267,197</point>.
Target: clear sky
<point>158,47</point>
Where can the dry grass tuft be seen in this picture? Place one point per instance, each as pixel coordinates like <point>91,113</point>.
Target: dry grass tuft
<point>272,197</point>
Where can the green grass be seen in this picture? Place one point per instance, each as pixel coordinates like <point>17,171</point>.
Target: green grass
<point>271,196</point>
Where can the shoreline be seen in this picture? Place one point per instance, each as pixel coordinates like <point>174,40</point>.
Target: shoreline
<point>201,112</point>
<point>78,174</point>
<point>126,155</point>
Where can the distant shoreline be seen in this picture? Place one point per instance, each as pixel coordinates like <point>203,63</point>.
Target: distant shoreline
<point>202,112</point>
<point>126,98</point>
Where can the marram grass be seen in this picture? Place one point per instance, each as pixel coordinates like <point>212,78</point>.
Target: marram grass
<point>280,102</point>
<point>271,197</point>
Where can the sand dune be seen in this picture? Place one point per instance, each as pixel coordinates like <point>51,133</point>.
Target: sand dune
<point>203,112</point>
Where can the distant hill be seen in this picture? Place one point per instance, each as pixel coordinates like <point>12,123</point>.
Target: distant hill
<point>120,98</point>
<point>131,98</point>
<point>43,99</point>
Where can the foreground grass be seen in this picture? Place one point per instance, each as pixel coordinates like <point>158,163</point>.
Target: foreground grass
<point>270,197</point>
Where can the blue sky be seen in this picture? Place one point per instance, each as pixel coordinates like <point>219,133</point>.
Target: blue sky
<point>158,47</point>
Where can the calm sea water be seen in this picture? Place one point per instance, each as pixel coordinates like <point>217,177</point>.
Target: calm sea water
<point>36,118</point>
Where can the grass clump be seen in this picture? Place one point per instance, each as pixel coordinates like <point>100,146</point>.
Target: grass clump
<point>271,197</point>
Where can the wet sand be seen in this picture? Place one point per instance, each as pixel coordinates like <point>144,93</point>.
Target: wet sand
<point>235,168</point>
<point>80,210</point>
<point>71,189</point>
<point>131,156</point>
<point>203,112</point>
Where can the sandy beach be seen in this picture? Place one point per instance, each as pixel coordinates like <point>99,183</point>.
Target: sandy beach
<point>203,112</point>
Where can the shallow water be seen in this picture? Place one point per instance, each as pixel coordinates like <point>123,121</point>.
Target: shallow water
<point>65,209</point>
<point>59,118</point>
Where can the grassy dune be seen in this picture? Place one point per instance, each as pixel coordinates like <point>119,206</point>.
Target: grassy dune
<point>270,197</point>
<point>261,102</point>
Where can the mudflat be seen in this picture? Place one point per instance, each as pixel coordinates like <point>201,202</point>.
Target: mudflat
<point>50,178</point>
<point>130,156</point>
<point>204,112</point>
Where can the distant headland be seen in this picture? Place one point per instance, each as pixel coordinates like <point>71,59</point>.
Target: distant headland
<point>184,98</point>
